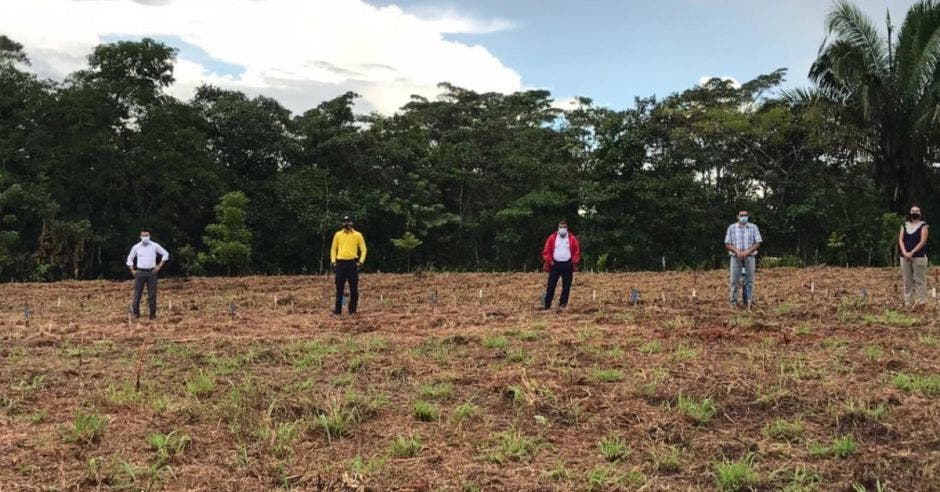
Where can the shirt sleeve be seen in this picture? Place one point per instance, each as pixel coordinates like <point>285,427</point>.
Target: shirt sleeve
<point>334,248</point>
<point>362,247</point>
<point>131,256</point>
<point>163,252</point>
<point>757,237</point>
<point>728,239</point>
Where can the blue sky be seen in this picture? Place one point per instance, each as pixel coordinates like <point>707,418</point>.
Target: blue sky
<point>303,52</point>
<point>613,51</point>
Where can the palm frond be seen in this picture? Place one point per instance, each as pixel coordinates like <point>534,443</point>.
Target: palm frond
<point>853,27</point>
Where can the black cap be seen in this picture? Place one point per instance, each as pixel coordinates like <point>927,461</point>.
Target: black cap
<point>347,218</point>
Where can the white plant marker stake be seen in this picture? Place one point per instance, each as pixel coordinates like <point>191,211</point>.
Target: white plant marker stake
<point>594,295</point>
<point>171,306</point>
<point>481,295</point>
<point>275,302</point>
<point>60,298</point>
<point>693,294</point>
<point>934,292</point>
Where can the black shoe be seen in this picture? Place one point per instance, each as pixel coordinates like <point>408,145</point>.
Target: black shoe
<point>562,306</point>
<point>337,313</point>
<point>153,317</point>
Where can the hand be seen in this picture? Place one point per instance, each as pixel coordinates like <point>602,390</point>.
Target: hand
<point>358,264</point>
<point>133,272</point>
<point>156,269</point>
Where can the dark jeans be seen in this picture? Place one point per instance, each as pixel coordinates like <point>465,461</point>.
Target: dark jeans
<point>346,270</point>
<point>565,270</point>
<point>140,278</point>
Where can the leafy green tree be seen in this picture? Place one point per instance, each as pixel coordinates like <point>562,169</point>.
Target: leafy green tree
<point>888,85</point>
<point>229,239</point>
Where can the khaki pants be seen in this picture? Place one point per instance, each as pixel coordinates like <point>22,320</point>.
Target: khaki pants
<point>914,273</point>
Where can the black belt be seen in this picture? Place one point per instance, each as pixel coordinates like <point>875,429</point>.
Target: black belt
<point>145,269</point>
<point>347,261</point>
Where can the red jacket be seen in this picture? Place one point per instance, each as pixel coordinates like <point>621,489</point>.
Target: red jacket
<point>548,251</point>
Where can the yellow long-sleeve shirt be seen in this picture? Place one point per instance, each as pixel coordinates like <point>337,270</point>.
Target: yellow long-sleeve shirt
<point>348,245</point>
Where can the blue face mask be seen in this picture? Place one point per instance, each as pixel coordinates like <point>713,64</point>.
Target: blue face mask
<point>743,219</point>
<point>563,231</point>
<point>145,240</point>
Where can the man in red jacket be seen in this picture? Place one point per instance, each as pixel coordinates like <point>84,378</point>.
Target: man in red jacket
<point>561,256</point>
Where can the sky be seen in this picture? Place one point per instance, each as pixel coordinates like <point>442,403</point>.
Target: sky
<point>303,52</point>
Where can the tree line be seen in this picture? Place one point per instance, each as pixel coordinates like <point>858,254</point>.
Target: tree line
<point>468,180</point>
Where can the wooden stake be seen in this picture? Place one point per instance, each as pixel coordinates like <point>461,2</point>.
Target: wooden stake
<point>275,302</point>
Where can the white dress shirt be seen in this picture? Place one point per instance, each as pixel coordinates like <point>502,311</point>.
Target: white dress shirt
<point>562,248</point>
<point>146,255</point>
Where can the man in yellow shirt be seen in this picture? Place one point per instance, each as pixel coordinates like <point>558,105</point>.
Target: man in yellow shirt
<point>347,254</point>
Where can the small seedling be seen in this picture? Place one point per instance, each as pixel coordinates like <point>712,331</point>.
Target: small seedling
<point>495,342</point>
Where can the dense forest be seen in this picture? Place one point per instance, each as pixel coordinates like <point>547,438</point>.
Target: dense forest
<point>468,181</point>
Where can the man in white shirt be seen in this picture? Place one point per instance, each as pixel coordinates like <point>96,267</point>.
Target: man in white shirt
<point>142,262</point>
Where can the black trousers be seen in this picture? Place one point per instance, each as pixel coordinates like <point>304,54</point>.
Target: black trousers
<point>150,279</point>
<point>565,270</point>
<point>347,271</point>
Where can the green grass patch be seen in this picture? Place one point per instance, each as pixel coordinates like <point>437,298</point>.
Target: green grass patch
<point>733,476</point>
<point>426,411</point>
<point>699,411</point>
<point>405,447</point>
<point>608,375</point>
<point>614,448</point>
<point>928,384</point>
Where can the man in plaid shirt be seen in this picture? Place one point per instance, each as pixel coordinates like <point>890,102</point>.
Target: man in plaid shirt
<point>742,240</point>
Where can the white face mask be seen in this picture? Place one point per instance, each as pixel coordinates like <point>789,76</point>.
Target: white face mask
<point>563,231</point>
<point>145,239</point>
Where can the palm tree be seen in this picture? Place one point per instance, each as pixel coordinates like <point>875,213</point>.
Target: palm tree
<point>889,86</point>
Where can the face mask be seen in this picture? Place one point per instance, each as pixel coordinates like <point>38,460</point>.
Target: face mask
<point>145,239</point>
<point>347,226</point>
<point>914,216</point>
<point>563,231</point>
<point>743,219</point>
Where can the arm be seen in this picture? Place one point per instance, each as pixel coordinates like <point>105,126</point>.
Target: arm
<point>547,249</point>
<point>130,258</point>
<point>164,256</point>
<point>334,249</point>
<point>729,242</point>
<point>362,249</point>
<point>575,249</point>
<point>903,250</point>
<point>923,240</point>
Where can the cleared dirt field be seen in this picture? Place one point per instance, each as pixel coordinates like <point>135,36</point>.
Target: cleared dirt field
<point>459,382</point>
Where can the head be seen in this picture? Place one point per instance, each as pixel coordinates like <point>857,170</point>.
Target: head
<point>145,236</point>
<point>915,213</point>
<point>743,217</point>
<point>563,228</point>
<point>347,222</point>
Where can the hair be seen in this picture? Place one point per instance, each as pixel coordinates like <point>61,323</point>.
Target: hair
<point>145,231</point>
<point>745,211</point>
<point>562,221</point>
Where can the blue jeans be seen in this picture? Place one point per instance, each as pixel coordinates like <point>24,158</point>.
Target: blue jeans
<point>746,269</point>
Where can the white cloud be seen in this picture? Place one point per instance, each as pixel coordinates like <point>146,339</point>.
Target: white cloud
<point>566,104</point>
<point>705,78</point>
<point>299,51</point>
